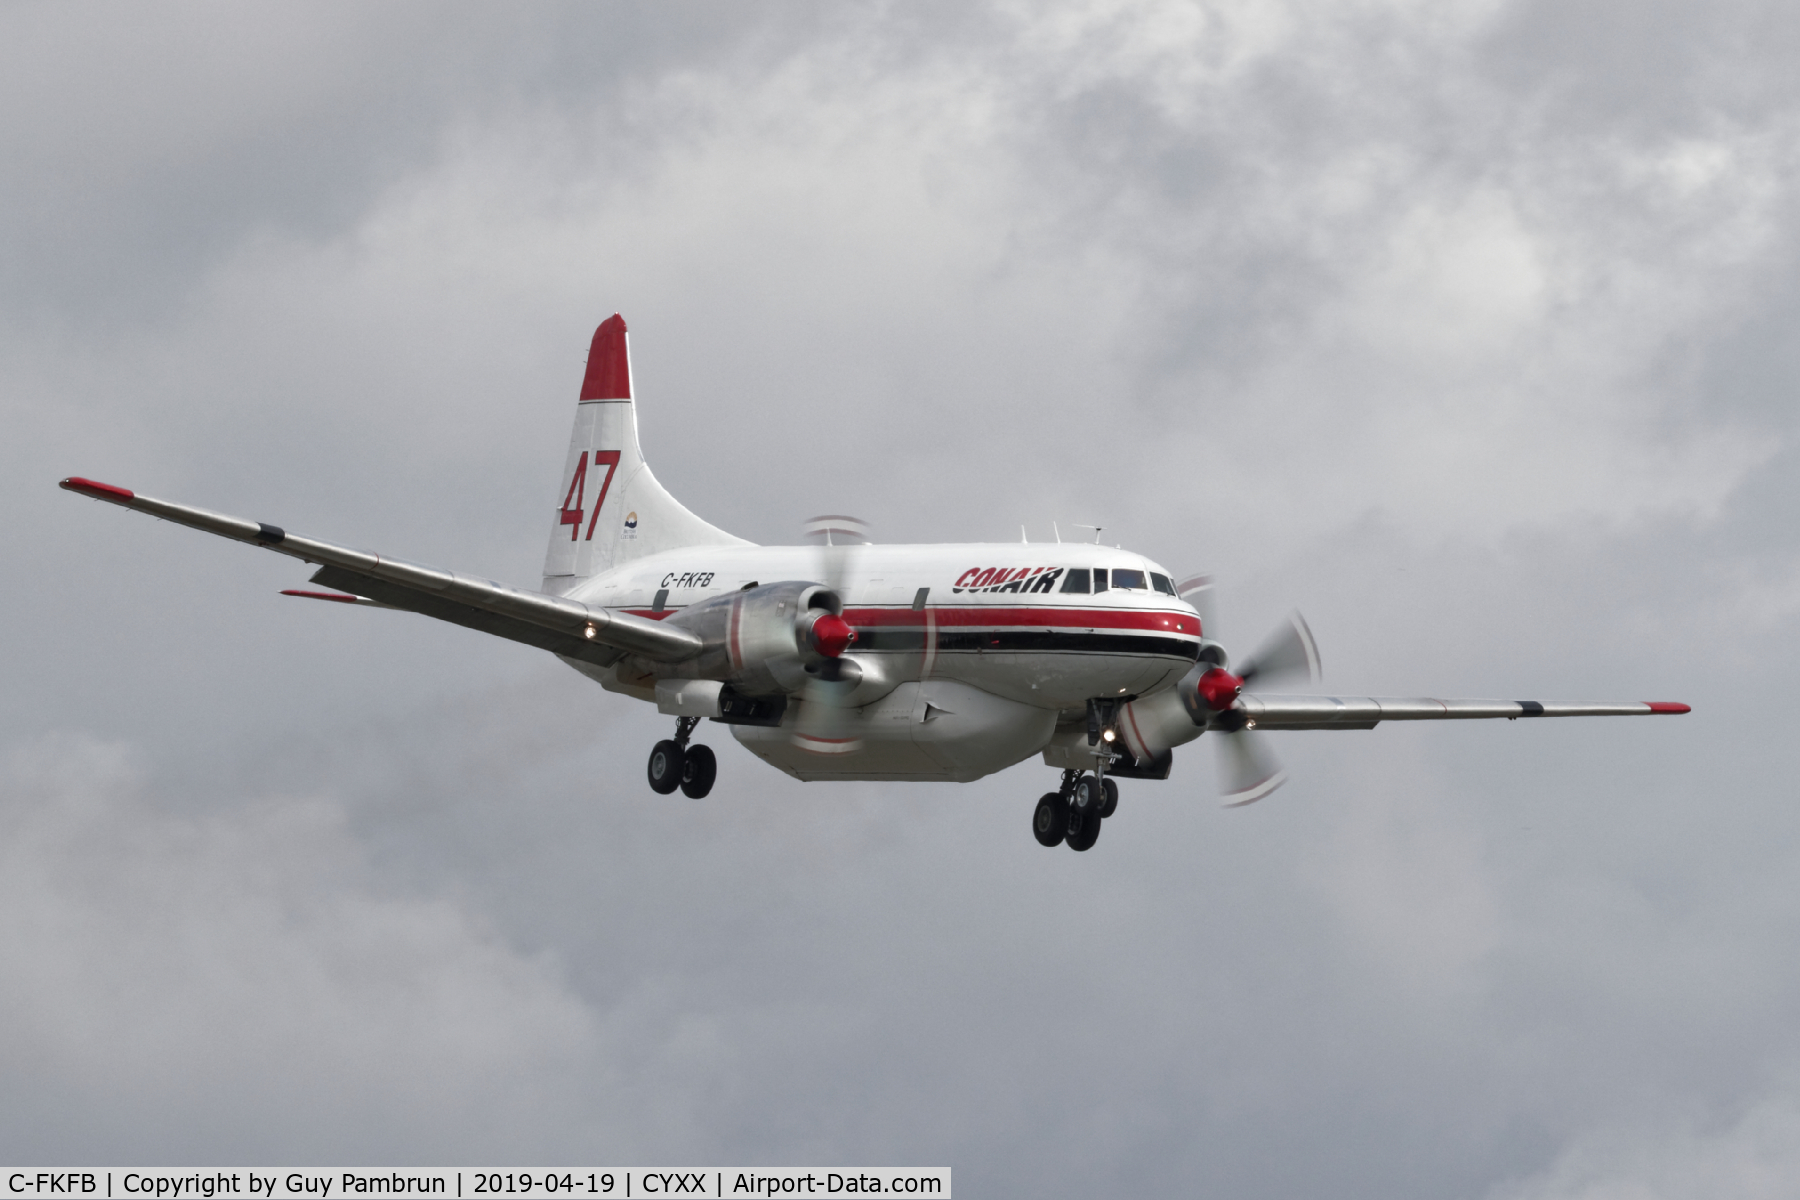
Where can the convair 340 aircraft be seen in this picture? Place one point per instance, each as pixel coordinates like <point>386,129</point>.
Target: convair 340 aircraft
<point>852,661</point>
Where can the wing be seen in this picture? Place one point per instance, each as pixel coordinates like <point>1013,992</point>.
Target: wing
<point>547,622</point>
<point>1365,712</point>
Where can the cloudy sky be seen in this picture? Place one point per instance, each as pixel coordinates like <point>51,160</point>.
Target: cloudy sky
<point>1471,329</point>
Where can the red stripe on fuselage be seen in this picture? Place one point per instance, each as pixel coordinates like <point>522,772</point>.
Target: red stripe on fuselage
<point>995,617</point>
<point>1036,617</point>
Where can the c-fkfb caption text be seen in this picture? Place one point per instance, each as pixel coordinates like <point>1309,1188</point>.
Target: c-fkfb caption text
<point>629,1183</point>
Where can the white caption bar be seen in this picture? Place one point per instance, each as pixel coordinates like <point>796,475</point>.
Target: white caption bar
<point>630,1183</point>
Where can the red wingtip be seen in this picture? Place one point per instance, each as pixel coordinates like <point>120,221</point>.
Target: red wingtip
<point>609,363</point>
<point>99,491</point>
<point>1667,706</point>
<point>341,599</point>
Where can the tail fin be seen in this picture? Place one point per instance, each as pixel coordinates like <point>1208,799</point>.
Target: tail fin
<point>611,509</point>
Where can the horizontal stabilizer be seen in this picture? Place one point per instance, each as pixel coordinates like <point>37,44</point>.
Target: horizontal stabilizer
<point>549,622</point>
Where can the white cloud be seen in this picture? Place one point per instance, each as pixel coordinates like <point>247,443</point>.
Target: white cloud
<point>1755,1156</point>
<point>250,971</point>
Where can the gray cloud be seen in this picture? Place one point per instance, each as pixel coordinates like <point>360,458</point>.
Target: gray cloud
<point>1466,328</point>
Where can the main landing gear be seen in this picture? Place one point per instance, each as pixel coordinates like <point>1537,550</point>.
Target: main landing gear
<point>1073,813</point>
<point>675,764</point>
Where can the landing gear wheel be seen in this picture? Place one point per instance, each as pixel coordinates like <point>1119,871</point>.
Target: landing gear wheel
<point>665,767</point>
<point>698,771</point>
<point>1088,797</point>
<point>1083,838</point>
<point>1111,803</point>
<point>1084,813</point>
<point>1050,822</point>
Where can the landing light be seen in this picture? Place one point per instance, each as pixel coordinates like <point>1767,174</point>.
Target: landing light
<point>588,633</point>
<point>1108,734</point>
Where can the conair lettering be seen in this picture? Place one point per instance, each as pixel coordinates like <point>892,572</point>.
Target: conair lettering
<point>1007,579</point>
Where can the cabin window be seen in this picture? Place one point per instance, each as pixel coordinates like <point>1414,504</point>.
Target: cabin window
<point>1128,579</point>
<point>1077,580</point>
<point>1099,579</point>
<point>1161,583</point>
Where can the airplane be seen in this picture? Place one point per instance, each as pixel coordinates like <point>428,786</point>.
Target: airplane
<point>845,660</point>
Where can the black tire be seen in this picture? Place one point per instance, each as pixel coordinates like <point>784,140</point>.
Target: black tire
<point>1083,838</point>
<point>1111,804</point>
<point>1088,797</point>
<point>698,771</point>
<point>1050,820</point>
<point>665,767</point>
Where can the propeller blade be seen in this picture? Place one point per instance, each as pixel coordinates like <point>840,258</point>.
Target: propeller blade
<point>1198,590</point>
<point>824,725</point>
<point>836,529</point>
<point>1248,769</point>
<point>839,539</point>
<point>1290,650</point>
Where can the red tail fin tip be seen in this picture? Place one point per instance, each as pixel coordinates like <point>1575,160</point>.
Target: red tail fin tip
<point>608,364</point>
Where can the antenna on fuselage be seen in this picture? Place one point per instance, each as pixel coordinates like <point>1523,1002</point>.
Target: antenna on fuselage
<point>1057,532</point>
<point>1096,530</point>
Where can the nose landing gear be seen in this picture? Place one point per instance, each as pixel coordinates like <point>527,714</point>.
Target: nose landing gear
<point>1073,813</point>
<point>675,764</point>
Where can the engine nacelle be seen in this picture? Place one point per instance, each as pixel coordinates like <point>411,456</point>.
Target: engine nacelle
<point>762,640</point>
<point>1153,726</point>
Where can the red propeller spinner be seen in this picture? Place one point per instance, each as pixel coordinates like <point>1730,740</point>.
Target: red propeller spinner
<point>831,635</point>
<point>1219,687</point>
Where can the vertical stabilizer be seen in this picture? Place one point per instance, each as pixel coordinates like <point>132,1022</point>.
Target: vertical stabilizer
<point>610,509</point>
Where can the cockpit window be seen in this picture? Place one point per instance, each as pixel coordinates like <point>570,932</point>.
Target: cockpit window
<point>1161,583</point>
<point>1099,579</point>
<point>1076,580</point>
<point>1122,578</point>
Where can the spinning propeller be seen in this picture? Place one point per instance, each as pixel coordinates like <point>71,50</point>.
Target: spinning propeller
<point>1248,768</point>
<point>825,722</point>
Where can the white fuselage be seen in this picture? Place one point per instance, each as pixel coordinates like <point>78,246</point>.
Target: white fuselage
<point>976,652</point>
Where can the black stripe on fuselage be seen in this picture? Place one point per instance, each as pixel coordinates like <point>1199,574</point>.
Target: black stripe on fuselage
<point>1025,641</point>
